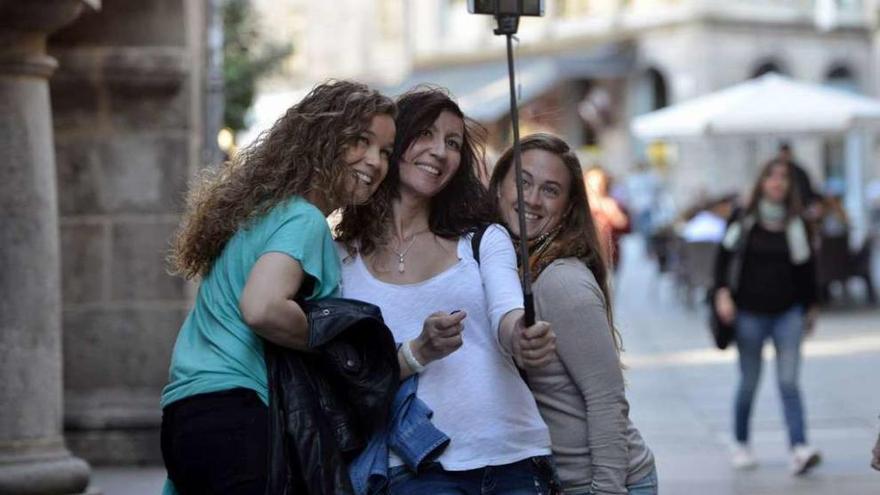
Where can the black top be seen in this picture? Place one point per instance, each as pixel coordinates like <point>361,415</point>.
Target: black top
<point>769,282</point>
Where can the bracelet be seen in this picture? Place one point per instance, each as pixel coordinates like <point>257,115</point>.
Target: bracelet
<point>410,358</point>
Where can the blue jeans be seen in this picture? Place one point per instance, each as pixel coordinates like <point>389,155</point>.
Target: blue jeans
<point>645,486</point>
<point>786,330</point>
<point>526,477</point>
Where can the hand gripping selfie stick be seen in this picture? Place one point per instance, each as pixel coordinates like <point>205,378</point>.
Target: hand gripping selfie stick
<point>507,13</point>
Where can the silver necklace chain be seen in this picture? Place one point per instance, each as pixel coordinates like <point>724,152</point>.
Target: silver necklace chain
<point>401,255</point>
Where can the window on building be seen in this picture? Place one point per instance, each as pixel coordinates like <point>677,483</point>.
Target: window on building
<point>839,76</point>
<point>650,92</point>
<point>766,68</point>
<point>657,86</point>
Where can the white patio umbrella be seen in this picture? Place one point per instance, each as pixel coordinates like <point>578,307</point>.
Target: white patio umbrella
<point>777,105</point>
<point>771,104</point>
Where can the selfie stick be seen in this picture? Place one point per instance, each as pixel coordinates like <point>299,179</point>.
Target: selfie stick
<point>507,25</point>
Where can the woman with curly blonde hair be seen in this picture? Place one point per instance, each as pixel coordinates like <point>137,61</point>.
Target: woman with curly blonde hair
<point>255,233</point>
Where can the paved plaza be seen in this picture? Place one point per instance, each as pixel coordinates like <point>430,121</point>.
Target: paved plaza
<point>681,388</point>
<point>681,392</point>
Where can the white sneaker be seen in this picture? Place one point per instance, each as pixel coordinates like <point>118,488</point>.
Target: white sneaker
<point>741,457</point>
<point>804,458</point>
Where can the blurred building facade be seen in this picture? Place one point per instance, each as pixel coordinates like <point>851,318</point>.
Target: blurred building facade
<point>589,65</point>
<point>641,55</point>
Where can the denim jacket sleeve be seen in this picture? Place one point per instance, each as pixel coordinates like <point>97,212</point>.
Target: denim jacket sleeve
<point>410,434</point>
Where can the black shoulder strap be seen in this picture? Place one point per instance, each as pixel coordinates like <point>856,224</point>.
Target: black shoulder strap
<point>475,241</point>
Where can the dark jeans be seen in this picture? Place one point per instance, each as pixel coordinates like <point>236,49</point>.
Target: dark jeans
<point>528,476</point>
<point>217,443</point>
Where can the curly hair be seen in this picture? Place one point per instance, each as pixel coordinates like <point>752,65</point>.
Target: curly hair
<point>461,207</point>
<point>302,153</point>
<point>578,236</point>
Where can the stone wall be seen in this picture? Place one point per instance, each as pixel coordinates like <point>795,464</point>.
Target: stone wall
<point>128,132</point>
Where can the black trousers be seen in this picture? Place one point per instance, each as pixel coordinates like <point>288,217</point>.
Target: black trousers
<point>217,443</point>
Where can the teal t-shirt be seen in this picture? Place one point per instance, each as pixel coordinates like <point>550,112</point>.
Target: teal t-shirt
<point>215,349</point>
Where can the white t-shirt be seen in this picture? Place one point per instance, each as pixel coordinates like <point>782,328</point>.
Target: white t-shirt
<point>478,398</point>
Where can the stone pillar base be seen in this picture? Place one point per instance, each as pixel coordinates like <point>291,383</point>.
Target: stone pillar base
<point>116,447</point>
<point>55,473</point>
<point>114,426</point>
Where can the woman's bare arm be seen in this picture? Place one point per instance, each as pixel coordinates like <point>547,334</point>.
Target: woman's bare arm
<point>267,304</point>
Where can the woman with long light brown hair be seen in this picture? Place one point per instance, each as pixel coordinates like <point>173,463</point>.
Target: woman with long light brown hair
<point>255,234</point>
<point>580,393</point>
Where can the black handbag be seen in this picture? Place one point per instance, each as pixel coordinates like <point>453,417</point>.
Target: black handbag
<point>722,334</point>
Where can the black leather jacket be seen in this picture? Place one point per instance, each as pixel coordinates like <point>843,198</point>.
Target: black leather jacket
<point>325,405</point>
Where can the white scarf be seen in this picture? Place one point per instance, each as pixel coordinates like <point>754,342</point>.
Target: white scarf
<point>795,231</point>
<point>771,212</point>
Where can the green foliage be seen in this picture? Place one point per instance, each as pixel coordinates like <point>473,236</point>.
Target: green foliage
<point>246,58</point>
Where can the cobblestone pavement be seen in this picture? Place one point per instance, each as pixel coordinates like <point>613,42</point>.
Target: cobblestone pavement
<point>681,388</point>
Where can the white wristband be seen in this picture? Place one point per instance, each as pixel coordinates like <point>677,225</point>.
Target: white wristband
<point>410,359</point>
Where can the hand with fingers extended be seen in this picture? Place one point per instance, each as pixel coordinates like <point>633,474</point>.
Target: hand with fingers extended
<point>440,337</point>
<point>534,346</point>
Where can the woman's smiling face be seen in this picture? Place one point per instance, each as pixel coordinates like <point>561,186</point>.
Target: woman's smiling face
<point>433,157</point>
<point>368,158</point>
<point>546,191</point>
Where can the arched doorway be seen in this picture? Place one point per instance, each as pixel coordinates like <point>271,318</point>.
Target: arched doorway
<point>650,92</point>
<point>767,67</point>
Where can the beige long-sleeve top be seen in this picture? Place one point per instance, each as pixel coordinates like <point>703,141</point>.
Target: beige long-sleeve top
<point>581,394</point>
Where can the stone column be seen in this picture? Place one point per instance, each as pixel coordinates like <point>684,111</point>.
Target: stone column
<point>33,456</point>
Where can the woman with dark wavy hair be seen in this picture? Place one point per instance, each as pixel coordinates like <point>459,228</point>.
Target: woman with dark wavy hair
<point>459,321</point>
<point>256,235</point>
<point>580,393</point>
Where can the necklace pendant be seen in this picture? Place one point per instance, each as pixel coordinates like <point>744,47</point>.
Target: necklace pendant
<point>400,266</point>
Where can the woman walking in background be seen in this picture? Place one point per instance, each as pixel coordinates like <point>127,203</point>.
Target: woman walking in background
<point>459,322</point>
<point>765,287</point>
<point>581,394</point>
<point>255,233</point>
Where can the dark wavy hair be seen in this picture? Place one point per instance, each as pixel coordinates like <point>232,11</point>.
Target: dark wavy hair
<point>578,236</point>
<point>302,153</point>
<point>461,207</point>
